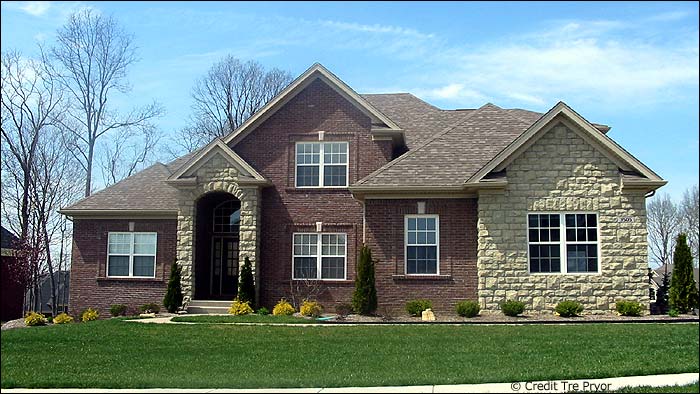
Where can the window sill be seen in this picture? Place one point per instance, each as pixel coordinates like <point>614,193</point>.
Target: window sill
<point>111,279</point>
<point>326,282</point>
<point>337,190</point>
<point>422,277</point>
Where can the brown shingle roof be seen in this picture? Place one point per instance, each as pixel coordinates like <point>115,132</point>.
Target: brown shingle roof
<point>418,119</point>
<point>452,155</point>
<point>445,148</point>
<point>145,190</point>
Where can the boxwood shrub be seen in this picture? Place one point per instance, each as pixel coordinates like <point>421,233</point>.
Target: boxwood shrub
<point>416,307</point>
<point>569,308</point>
<point>513,308</point>
<point>468,308</point>
<point>628,308</point>
<point>117,310</point>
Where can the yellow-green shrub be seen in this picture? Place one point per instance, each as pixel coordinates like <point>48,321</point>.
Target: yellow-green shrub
<point>310,308</point>
<point>89,315</point>
<point>62,318</point>
<point>283,308</point>
<point>239,307</point>
<point>34,319</point>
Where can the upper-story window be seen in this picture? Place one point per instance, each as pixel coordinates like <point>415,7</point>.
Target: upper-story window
<point>322,164</point>
<point>131,255</point>
<point>563,242</point>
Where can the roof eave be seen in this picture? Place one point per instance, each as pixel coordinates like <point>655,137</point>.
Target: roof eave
<point>119,213</point>
<point>643,184</point>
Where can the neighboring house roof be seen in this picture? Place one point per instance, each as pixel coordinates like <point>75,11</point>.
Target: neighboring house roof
<point>43,301</point>
<point>7,239</point>
<point>658,275</point>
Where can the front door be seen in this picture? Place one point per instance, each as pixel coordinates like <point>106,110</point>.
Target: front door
<point>224,267</point>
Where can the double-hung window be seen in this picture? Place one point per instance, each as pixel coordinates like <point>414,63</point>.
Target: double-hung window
<point>131,255</point>
<point>321,164</point>
<point>319,256</point>
<point>422,244</point>
<point>563,242</point>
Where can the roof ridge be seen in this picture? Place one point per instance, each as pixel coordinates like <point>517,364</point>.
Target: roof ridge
<point>519,119</point>
<point>413,151</point>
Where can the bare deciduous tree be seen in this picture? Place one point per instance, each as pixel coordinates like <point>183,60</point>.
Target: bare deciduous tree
<point>662,224</point>
<point>689,210</point>
<point>92,55</point>
<point>30,101</point>
<point>126,152</point>
<point>56,184</point>
<point>230,93</point>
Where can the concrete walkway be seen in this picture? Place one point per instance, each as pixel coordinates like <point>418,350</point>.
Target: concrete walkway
<point>552,386</point>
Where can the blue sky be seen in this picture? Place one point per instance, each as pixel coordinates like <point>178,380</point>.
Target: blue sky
<point>631,65</point>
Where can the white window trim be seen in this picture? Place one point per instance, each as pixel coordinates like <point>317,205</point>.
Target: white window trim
<point>131,255</point>
<point>321,165</point>
<point>562,242</point>
<point>320,255</point>
<point>405,243</point>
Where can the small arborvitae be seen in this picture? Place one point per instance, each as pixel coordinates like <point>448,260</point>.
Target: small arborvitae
<point>173,297</point>
<point>246,284</point>
<point>684,294</point>
<point>364,299</point>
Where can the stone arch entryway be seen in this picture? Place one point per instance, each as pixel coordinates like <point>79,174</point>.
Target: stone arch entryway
<point>217,225</point>
<point>187,245</point>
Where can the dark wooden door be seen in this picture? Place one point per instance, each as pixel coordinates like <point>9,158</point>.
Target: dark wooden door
<point>224,267</point>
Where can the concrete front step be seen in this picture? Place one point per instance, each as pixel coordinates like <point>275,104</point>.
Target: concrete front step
<point>225,303</point>
<point>208,307</point>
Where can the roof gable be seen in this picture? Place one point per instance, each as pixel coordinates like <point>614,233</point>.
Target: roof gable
<point>591,134</point>
<point>381,123</point>
<point>216,147</point>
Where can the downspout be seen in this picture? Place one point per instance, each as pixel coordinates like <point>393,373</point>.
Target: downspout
<point>364,217</point>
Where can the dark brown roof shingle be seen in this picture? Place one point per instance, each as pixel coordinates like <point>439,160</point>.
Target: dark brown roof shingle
<point>452,155</point>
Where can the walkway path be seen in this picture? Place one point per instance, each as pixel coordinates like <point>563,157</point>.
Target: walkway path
<point>553,386</point>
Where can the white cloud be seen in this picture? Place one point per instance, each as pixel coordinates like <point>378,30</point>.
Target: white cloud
<point>36,8</point>
<point>376,28</point>
<point>526,98</point>
<point>454,91</point>
<point>602,62</point>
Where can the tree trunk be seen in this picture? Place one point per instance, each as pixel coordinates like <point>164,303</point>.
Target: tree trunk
<point>88,175</point>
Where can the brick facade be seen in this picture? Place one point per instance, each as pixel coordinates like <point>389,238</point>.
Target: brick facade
<point>457,257</point>
<point>562,172</point>
<point>90,287</point>
<point>483,241</point>
<point>270,149</point>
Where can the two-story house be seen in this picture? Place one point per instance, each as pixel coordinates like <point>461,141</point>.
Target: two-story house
<point>486,204</point>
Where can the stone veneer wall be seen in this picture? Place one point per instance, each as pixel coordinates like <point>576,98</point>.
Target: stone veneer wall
<point>217,175</point>
<point>562,172</point>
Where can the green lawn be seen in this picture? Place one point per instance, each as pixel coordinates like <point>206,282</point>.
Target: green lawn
<point>120,354</point>
<point>268,319</point>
